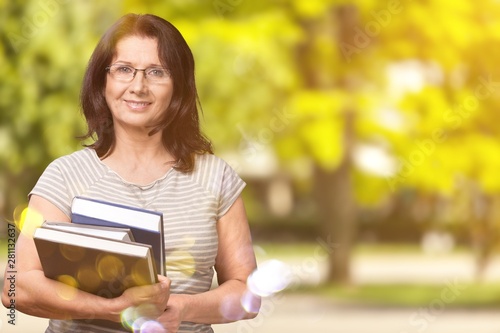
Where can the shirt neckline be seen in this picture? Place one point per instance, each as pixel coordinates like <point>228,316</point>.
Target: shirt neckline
<point>142,187</point>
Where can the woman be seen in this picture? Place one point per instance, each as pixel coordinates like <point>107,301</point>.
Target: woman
<point>140,102</point>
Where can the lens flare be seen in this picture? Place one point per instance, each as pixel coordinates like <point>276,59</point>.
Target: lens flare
<point>229,311</point>
<point>71,252</point>
<point>65,292</point>
<point>146,325</point>
<point>127,317</point>
<point>269,278</point>
<point>181,261</point>
<point>137,275</point>
<point>18,214</point>
<point>146,310</point>
<point>250,302</point>
<point>135,317</point>
<point>137,324</point>
<point>27,220</point>
<point>152,326</point>
<point>109,267</point>
<point>88,278</point>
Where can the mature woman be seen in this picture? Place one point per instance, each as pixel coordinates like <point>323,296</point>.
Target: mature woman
<point>140,102</point>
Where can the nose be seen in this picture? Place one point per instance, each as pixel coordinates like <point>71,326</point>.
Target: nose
<point>138,83</point>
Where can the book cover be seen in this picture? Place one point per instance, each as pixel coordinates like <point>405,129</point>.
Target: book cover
<point>101,266</point>
<point>146,225</point>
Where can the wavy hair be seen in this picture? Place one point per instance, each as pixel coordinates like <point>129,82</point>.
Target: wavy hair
<point>180,127</point>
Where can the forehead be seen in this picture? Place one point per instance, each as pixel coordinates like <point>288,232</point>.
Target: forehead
<point>137,50</point>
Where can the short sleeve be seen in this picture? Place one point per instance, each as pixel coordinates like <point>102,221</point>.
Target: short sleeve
<point>52,186</point>
<point>231,187</point>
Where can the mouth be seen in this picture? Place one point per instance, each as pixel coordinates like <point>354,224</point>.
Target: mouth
<point>137,105</point>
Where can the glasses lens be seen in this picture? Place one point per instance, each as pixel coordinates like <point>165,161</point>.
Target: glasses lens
<point>126,73</point>
<point>157,74</point>
<point>121,72</point>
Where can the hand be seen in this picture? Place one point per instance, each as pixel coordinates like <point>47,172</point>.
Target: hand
<point>149,301</point>
<point>172,317</point>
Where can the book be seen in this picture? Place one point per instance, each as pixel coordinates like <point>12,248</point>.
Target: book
<point>146,225</point>
<point>101,266</point>
<point>124,234</point>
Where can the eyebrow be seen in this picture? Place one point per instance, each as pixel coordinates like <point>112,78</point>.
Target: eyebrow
<point>124,62</point>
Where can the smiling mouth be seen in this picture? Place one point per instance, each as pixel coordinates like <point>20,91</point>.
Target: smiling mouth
<point>137,105</point>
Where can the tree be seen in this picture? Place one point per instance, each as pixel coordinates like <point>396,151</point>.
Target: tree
<point>317,82</point>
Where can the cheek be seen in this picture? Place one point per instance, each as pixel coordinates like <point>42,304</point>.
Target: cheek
<point>111,94</point>
<point>167,97</point>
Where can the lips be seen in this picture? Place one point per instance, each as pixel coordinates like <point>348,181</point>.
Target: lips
<point>137,105</point>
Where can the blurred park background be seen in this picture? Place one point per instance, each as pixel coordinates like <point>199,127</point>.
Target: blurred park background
<point>366,132</point>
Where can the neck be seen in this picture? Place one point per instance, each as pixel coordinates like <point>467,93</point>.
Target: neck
<point>139,146</point>
<point>140,160</point>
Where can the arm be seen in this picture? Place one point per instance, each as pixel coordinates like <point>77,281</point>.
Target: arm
<point>234,263</point>
<point>52,299</point>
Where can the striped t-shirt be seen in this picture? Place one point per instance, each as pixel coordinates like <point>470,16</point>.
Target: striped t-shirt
<point>191,204</point>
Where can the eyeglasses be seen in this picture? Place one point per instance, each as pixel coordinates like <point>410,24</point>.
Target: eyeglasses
<point>127,73</point>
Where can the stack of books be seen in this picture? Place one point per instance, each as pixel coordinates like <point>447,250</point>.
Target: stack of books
<point>107,248</point>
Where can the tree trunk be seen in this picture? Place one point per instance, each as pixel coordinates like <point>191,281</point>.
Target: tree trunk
<point>333,188</point>
<point>335,199</point>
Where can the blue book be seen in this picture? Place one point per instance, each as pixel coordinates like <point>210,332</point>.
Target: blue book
<point>146,225</point>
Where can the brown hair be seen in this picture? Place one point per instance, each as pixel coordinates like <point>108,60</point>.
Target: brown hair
<point>180,127</point>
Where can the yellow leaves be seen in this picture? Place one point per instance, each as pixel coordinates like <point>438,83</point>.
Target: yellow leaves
<point>484,161</point>
<point>311,8</point>
<point>323,142</point>
<point>321,124</point>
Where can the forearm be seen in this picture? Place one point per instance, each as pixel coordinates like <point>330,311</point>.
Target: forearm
<point>52,299</point>
<point>220,305</point>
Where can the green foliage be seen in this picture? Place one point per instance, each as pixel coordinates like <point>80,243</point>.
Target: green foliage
<point>263,61</point>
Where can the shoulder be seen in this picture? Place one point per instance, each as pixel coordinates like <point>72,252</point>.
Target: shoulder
<point>82,165</point>
<point>214,173</point>
<point>208,161</point>
<point>220,179</point>
<point>211,167</point>
<point>85,154</point>
<point>77,158</point>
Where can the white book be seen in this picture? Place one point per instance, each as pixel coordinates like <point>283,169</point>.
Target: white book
<point>123,234</point>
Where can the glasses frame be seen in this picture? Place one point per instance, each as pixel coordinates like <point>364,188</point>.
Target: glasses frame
<point>144,70</point>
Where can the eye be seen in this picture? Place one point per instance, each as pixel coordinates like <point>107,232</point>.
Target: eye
<point>157,72</point>
<point>124,69</point>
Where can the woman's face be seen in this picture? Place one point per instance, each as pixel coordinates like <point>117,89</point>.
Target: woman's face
<point>137,104</point>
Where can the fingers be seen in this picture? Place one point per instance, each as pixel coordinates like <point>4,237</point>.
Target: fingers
<point>164,282</point>
<point>156,293</point>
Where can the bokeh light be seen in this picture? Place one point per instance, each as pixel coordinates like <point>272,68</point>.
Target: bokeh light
<point>181,261</point>
<point>152,326</point>
<point>250,302</point>
<point>269,278</point>
<point>137,275</point>
<point>27,219</point>
<point>71,252</point>
<point>88,278</point>
<point>136,318</point>
<point>65,292</point>
<point>228,310</point>
<point>127,317</point>
<point>109,267</point>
